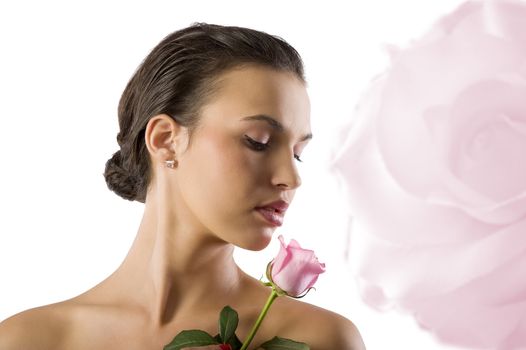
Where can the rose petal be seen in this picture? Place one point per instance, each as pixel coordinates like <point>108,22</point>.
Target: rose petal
<point>433,167</point>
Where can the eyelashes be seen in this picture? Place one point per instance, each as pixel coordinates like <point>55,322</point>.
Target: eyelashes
<point>260,147</point>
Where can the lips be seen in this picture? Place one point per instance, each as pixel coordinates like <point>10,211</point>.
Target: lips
<point>272,216</point>
<point>279,206</point>
<point>274,211</point>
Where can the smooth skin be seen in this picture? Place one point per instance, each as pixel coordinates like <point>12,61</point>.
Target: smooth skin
<point>180,271</point>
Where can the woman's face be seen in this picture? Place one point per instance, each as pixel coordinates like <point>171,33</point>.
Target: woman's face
<point>223,176</point>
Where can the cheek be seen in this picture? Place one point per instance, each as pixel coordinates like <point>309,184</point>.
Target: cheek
<point>224,188</point>
<point>226,169</point>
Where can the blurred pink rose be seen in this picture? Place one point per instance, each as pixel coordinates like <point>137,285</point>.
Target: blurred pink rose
<point>294,269</point>
<point>434,167</point>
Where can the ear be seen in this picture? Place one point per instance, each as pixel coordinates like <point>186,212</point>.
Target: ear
<point>165,138</point>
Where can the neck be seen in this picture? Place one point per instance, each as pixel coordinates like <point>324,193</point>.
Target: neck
<point>174,267</point>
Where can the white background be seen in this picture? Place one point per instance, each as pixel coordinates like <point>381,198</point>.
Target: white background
<point>63,67</point>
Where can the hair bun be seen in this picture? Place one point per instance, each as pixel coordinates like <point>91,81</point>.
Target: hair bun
<point>118,179</point>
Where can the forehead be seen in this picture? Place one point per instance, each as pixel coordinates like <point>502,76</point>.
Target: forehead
<point>256,90</point>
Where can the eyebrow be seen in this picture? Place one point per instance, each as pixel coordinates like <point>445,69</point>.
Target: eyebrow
<point>273,123</point>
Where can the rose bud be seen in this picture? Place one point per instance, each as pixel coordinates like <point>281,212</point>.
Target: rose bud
<point>294,270</point>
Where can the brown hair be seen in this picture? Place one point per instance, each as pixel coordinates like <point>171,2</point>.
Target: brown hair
<point>177,79</point>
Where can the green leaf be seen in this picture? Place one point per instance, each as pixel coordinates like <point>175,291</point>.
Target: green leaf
<point>278,343</point>
<point>234,342</point>
<point>228,321</point>
<point>190,338</point>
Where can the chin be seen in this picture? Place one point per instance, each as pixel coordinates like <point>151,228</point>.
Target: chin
<point>256,244</point>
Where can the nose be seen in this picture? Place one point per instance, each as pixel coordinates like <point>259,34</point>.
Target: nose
<point>286,173</point>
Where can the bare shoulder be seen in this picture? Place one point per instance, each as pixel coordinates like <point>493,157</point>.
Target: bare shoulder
<point>322,329</point>
<point>335,332</point>
<point>41,327</point>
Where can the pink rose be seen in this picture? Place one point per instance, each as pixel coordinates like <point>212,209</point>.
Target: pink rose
<point>434,167</point>
<point>294,270</point>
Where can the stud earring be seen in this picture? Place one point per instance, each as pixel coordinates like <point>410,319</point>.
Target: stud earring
<point>170,163</point>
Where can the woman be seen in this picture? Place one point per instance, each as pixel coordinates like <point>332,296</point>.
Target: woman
<point>211,125</point>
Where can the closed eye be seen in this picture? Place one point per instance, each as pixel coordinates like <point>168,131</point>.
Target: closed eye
<point>260,147</point>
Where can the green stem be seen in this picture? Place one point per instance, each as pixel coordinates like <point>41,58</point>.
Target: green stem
<point>256,325</point>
